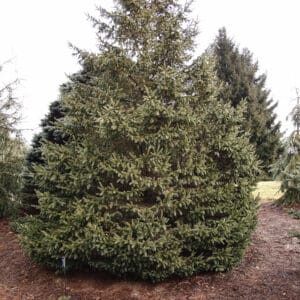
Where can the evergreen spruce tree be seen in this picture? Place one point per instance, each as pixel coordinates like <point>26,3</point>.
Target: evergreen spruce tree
<point>287,168</point>
<point>239,73</point>
<point>155,179</point>
<point>11,148</point>
<point>50,132</point>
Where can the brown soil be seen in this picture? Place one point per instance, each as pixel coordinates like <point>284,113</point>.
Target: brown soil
<point>270,270</point>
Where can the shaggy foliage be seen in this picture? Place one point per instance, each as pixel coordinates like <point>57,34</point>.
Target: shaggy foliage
<point>29,200</point>
<point>239,73</point>
<point>287,168</point>
<point>50,133</point>
<point>11,148</point>
<point>155,179</point>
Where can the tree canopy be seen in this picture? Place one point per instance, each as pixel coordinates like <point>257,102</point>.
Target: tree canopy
<point>155,178</point>
<point>242,82</point>
<point>287,168</point>
<point>11,146</point>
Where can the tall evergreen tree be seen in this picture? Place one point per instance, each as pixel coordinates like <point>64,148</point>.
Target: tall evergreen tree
<point>155,179</point>
<point>239,73</point>
<point>287,168</point>
<point>11,147</point>
<point>49,132</point>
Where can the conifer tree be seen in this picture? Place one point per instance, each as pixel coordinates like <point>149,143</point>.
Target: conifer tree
<point>287,168</point>
<point>29,200</point>
<point>155,179</point>
<point>11,147</point>
<point>50,132</point>
<point>239,73</point>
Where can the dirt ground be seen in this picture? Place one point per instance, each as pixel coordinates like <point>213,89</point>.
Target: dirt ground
<point>270,270</point>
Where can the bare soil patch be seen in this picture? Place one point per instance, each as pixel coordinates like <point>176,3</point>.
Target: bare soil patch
<point>270,270</point>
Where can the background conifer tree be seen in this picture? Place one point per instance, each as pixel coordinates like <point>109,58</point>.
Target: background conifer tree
<point>49,132</point>
<point>11,147</point>
<point>155,178</point>
<point>239,73</point>
<point>287,168</point>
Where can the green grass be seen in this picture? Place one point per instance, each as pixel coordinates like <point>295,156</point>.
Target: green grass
<point>268,190</point>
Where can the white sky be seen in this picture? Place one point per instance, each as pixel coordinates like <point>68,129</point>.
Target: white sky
<point>36,33</point>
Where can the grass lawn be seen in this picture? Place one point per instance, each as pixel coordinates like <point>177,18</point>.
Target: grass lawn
<point>268,190</point>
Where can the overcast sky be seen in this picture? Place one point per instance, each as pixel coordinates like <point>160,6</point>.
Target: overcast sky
<point>35,35</point>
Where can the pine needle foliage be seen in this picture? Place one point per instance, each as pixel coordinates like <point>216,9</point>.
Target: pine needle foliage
<point>50,133</point>
<point>287,168</point>
<point>155,180</point>
<point>239,73</point>
<point>11,148</point>
<point>29,200</point>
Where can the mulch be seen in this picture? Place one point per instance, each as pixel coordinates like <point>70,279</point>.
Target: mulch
<point>270,270</point>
